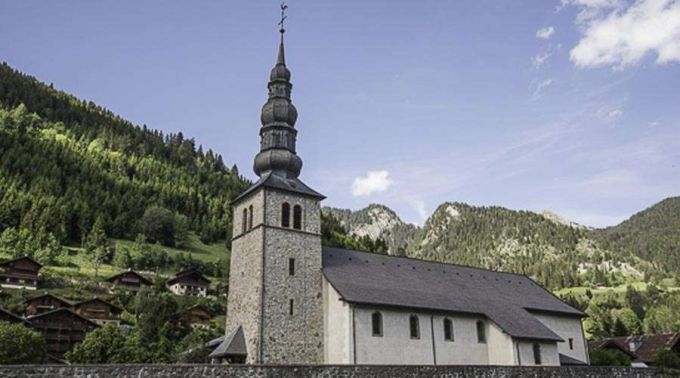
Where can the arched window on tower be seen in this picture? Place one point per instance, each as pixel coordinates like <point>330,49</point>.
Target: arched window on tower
<point>250,217</point>
<point>376,324</point>
<point>244,221</point>
<point>297,217</point>
<point>285,215</point>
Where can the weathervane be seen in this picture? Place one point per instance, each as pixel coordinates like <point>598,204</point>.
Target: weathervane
<point>283,16</point>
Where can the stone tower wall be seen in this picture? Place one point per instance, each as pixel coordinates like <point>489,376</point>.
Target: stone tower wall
<point>297,338</point>
<point>245,275</point>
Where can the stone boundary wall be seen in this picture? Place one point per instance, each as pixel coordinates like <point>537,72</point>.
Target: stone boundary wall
<point>320,371</point>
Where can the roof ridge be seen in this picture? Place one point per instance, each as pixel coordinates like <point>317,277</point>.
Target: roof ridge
<point>433,262</point>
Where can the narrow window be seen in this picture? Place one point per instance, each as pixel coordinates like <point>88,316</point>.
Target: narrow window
<point>571,343</point>
<point>297,217</point>
<point>376,324</point>
<point>244,222</point>
<point>291,306</point>
<point>448,329</point>
<point>481,332</point>
<point>285,215</point>
<point>250,217</point>
<point>537,354</point>
<point>414,326</point>
<point>291,267</point>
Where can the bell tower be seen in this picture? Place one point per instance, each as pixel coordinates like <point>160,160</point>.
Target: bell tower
<point>274,313</point>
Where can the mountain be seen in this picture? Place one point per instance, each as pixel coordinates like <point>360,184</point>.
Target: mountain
<point>652,234</point>
<point>377,222</point>
<point>65,162</point>
<point>556,252</point>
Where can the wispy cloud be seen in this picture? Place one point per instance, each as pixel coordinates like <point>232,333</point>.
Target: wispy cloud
<point>539,88</point>
<point>620,34</point>
<point>540,58</point>
<point>545,33</point>
<point>373,182</point>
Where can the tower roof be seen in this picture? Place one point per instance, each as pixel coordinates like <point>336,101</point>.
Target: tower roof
<point>277,164</point>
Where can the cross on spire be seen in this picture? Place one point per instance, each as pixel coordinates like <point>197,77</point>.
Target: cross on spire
<point>283,17</point>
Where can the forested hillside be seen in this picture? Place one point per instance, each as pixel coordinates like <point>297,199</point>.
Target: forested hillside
<point>65,162</point>
<point>652,234</point>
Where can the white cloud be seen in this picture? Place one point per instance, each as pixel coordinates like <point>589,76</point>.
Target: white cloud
<point>373,182</point>
<point>616,113</point>
<point>545,33</point>
<point>539,59</point>
<point>619,34</point>
<point>653,124</point>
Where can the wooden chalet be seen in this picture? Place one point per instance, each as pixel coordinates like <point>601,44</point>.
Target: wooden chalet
<point>62,329</point>
<point>44,303</point>
<point>10,317</point>
<point>20,273</point>
<point>197,316</point>
<point>99,311</point>
<point>642,349</point>
<point>129,280</point>
<point>189,282</point>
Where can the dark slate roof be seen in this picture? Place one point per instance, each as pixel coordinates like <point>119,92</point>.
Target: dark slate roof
<point>293,185</point>
<point>234,344</point>
<point>505,298</point>
<point>566,360</point>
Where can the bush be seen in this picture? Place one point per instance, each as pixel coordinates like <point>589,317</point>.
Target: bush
<point>605,357</point>
<point>99,347</point>
<point>20,345</point>
<point>667,359</point>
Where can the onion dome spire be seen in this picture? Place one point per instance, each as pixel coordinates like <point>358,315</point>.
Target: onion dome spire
<point>277,134</point>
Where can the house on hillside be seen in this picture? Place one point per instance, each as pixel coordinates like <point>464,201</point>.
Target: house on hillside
<point>196,316</point>
<point>44,303</point>
<point>7,316</point>
<point>20,273</point>
<point>294,301</point>
<point>189,282</point>
<point>99,311</point>
<point>642,349</point>
<point>61,328</point>
<point>128,280</point>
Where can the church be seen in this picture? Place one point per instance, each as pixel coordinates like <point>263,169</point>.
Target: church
<point>294,301</point>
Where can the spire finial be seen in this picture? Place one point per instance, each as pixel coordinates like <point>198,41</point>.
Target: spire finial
<point>283,18</point>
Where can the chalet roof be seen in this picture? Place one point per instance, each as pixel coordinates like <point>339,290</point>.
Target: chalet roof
<point>26,258</point>
<point>143,279</point>
<point>11,315</point>
<point>61,309</point>
<point>234,344</point>
<point>48,295</point>
<point>505,298</point>
<point>114,309</point>
<point>186,274</point>
<point>292,185</point>
<point>645,347</point>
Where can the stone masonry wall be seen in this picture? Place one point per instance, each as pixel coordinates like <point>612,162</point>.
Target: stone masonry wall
<point>320,371</point>
<point>245,276</point>
<point>296,338</point>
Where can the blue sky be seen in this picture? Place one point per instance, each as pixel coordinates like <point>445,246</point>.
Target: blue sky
<point>570,105</point>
